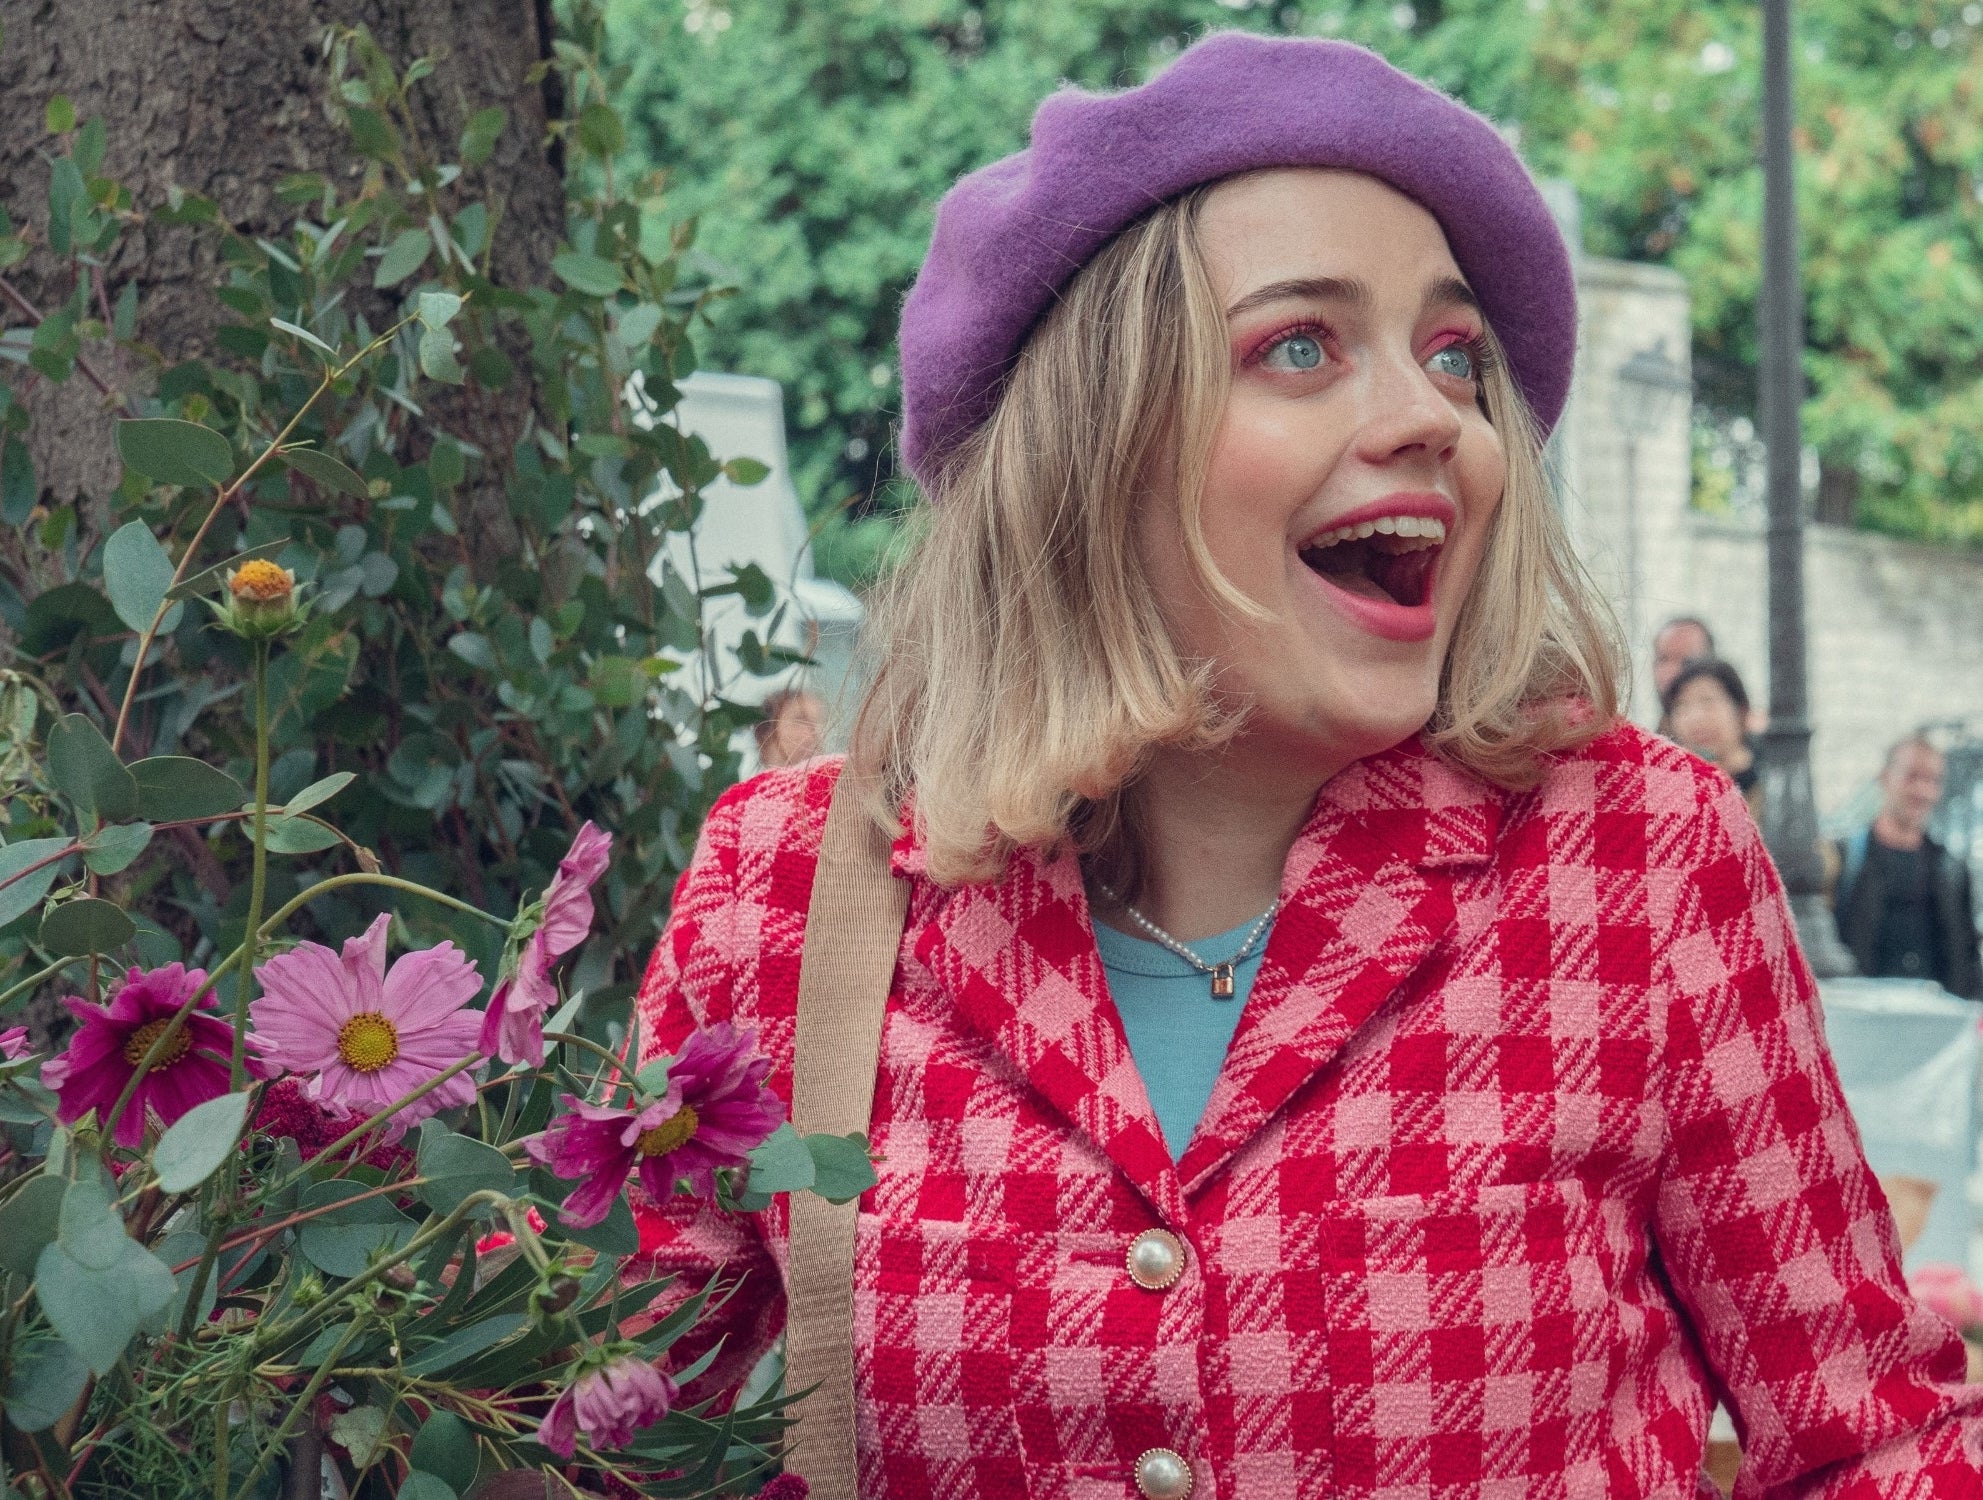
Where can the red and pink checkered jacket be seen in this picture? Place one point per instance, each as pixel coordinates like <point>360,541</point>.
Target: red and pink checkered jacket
<point>1528,1147</point>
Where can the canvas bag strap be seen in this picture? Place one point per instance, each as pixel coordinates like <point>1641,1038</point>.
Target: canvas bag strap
<point>853,933</point>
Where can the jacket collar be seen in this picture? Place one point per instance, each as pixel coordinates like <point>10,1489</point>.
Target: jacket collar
<point>1366,897</point>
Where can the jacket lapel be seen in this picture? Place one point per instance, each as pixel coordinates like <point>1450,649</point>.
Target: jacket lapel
<point>1018,960</point>
<point>1367,898</point>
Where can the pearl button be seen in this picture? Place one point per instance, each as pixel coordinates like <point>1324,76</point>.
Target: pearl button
<point>1163,1475</point>
<point>1156,1260</point>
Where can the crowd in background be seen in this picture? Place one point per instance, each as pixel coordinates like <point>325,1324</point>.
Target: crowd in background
<point>1902,901</point>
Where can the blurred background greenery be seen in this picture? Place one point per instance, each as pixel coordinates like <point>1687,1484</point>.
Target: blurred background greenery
<point>813,140</point>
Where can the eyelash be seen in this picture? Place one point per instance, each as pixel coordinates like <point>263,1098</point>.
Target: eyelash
<point>1477,347</point>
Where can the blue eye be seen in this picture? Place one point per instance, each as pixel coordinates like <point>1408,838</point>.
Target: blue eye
<point>1455,360</point>
<point>1299,351</point>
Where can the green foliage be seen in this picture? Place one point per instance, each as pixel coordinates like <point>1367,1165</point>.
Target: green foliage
<point>414,512</point>
<point>814,139</point>
<point>448,467</point>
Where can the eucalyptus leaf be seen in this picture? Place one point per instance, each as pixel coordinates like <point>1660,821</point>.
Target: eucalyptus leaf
<point>86,925</point>
<point>177,788</point>
<point>46,1380</point>
<point>87,772</point>
<point>344,1242</point>
<point>137,571</point>
<point>94,1298</point>
<point>406,254</point>
<point>198,1142</point>
<point>28,1221</point>
<point>169,451</point>
<point>456,1165</point>
<point>445,1447</point>
<point>782,1164</point>
<point>25,893</point>
<point>296,835</point>
<point>843,1170</point>
<point>318,791</point>
<point>112,849</point>
<point>420,1485</point>
<point>331,473</point>
<point>591,274</point>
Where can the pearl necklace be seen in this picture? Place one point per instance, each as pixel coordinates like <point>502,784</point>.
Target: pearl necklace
<point>1221,974</point>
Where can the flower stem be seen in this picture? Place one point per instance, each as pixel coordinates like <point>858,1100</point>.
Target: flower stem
<point>337,882</point>
<point>357,1131</point>
<point>306,1400</point>
<point>258,889</point>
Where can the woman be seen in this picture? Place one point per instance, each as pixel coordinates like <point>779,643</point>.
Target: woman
<point>1242,616</point>
<point>1707,710</point>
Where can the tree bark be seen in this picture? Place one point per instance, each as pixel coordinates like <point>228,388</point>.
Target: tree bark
<point>224,98</point>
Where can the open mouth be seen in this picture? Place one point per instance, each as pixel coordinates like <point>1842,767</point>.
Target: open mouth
<point>1390,559</point>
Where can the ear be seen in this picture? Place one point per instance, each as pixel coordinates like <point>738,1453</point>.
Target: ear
<point>1757,721</point>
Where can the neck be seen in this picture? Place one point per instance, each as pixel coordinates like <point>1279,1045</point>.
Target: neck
<point>1896,834</point>
<point>1212,835</point>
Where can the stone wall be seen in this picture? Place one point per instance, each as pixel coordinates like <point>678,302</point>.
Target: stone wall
<point>1895,629</point>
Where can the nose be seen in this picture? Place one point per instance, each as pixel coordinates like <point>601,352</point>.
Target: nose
<point>1406,414</point>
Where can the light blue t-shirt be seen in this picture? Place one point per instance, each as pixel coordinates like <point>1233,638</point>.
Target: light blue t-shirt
<point>1178,1034</point>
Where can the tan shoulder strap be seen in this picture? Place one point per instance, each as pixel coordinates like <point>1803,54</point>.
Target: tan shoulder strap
<point>853,933</point>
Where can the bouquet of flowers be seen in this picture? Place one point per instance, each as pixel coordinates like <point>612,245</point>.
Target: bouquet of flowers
<point>306,1221</point>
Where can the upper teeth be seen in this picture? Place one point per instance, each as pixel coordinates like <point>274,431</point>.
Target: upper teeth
<point>1425,528</point>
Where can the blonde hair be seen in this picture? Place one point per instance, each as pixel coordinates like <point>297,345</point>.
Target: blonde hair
<point>1024,673</point>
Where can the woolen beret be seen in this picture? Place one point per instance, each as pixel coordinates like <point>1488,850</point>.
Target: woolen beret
<point>1011,235</point>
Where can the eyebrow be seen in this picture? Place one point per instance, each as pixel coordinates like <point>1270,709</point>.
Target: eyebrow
<point>1446,291</point>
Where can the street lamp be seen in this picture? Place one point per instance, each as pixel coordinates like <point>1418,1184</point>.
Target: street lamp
<point>1790,814</point>
<point>1643,391</point>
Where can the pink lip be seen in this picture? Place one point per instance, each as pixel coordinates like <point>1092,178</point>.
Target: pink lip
<point>1381,617</point>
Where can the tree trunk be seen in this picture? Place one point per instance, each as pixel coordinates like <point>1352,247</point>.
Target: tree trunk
<point>224,98</point>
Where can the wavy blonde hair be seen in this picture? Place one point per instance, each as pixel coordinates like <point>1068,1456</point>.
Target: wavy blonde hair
<point>1023,671</point>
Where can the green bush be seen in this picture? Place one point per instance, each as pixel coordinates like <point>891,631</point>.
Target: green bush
<point>485,652</point>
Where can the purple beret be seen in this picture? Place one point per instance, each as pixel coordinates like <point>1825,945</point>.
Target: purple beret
<point>1009,236</point>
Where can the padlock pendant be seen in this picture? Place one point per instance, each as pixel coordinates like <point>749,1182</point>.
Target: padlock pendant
<point>1222,985</point>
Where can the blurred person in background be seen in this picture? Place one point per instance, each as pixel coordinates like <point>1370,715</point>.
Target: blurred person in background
<point>1679,641</point>
<point>1707,710</point>
<point>1903,901</point>
<point>793,728</point>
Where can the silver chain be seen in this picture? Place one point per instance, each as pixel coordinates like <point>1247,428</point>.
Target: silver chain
<point>1245,949</point>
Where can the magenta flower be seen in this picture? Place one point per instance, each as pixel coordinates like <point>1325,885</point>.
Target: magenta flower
<point>513,1025</point>
<point>368,1035</point>
<point>608,1403</point>
<point>113,1040</point>
<point>14,1044</point>
<point>715,1112</point>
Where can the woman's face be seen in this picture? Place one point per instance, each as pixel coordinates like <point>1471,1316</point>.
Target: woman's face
<point>1706,720</point>
<point>1353,476</point>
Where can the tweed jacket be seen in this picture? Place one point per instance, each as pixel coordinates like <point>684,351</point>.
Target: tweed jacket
<point>1527,1149</point>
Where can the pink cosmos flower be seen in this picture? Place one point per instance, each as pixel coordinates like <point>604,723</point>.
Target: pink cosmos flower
<point>14,1044</point>
<point>1947,1290</point>
<point>113,1040</point>
<point>715,1112</point>
<point>608,1403</point>
<point>513,1026</point>
<point>370,1036</point>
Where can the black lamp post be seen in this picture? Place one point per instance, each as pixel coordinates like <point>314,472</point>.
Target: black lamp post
<point>1790,816</point>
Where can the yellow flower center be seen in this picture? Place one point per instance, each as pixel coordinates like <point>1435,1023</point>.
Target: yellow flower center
<point>262,581</point>
<point>139,1043</point>
<point>674,1131</point>
<point>367,1042</point>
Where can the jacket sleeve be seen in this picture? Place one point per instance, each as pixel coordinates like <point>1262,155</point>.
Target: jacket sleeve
<point>1771,1226</point>
<point>691,982</point>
